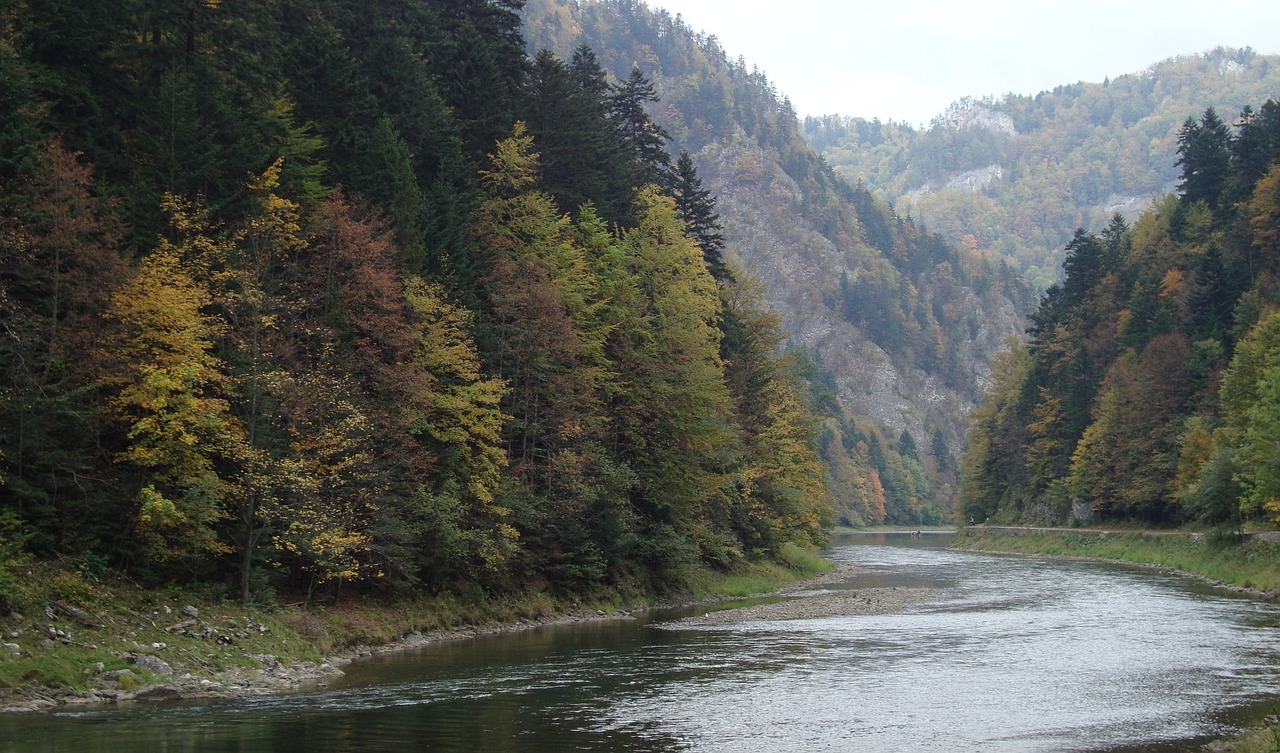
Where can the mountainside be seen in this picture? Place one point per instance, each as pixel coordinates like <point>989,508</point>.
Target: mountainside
<point>1018,175</point>
<point>902,323</point>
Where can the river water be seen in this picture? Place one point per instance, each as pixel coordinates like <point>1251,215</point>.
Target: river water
<point>1010,654</point>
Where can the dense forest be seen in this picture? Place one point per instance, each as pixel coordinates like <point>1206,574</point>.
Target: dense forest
<point>894,326</point>
<point>297,294</point>
<point>1149,389</point>
<point>1015,176</point>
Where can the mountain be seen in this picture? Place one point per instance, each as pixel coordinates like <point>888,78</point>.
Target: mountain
<point>901,323</point>
<point>1017,175</point>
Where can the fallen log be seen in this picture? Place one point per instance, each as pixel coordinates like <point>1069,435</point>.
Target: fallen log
<point>76,615</point>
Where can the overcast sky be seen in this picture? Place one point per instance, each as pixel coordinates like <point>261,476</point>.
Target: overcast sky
<point>906,61</point>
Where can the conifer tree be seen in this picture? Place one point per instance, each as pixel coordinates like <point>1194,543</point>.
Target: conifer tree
<point>697,209</point>
<point>645,140</point>
<point>1204,154</point>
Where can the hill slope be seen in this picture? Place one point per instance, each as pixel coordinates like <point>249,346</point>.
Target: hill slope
<point>1019,174</point>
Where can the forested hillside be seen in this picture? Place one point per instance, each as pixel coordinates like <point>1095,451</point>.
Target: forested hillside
<point>1017,175</point>
<point>296,294</point>
<point>895,325</point>
<point>1150,387</point>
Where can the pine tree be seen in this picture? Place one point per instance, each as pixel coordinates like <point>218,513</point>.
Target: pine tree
<point>578,144</point>
<point>1204,154</point>
<point>645,140</point>
<point>697,209</point>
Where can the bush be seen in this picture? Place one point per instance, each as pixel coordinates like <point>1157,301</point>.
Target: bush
<point>13,558</point>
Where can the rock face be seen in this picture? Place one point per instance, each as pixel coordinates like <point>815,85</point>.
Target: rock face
<point>761,209</point>
<point>967,113</point>
<point>969,181</point>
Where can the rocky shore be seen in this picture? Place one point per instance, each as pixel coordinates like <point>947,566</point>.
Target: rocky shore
<point>160,672</point>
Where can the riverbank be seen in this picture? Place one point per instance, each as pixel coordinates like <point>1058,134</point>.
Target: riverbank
<point>72,640</point>
<point>1250,567</point>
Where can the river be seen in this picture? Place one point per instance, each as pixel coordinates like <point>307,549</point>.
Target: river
<point>1008,654</point>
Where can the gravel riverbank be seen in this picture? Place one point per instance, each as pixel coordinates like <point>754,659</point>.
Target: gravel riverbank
<point>809,600</point>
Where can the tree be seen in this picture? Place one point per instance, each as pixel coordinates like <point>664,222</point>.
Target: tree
<point>1204,155</point>
<point>60,263</point>
<point>697,209</point>
<point>1264,220</point>
<point>670,413</point>
<point>1083,267</point>
<point>461,423</point>
<point>249,295</point>
<point>481,64</point>
<point>1251,401</point>
<point>539,288</point>
<point>1125,463</point>
<point>782,472</point>
<point>330,487</point>
<point>645,140</point>
<point>579,146</point>
<point>1211,302</point>
<point>993,475</point>
<point>174,400</point>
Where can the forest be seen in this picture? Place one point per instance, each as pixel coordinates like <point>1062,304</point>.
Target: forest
<point>302,294</point>
<point>861,288</point>
<point>1149,388</point>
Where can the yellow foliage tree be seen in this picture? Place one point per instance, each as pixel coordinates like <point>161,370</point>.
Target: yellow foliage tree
<point>181,430</point>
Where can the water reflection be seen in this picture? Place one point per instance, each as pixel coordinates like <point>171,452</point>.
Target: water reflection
<point>1014,654</point>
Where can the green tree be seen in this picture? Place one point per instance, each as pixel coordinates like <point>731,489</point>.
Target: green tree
<point>60,255</point>
<point>1251,401</point>
<point>644,140</point>
<point>1204,154</point>
<point>670,414</point>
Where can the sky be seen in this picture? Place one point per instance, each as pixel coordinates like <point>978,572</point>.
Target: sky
<point>907,61</point>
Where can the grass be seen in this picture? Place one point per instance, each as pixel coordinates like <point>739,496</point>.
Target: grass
<point>1251,564</point>
<point>127,619</point>
<point>756,578</point>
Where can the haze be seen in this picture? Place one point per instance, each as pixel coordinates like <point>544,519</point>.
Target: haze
<point>906,63</point>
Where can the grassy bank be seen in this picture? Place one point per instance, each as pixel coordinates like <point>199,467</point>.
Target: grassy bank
<point>1250,564</point>
<point>67,630</point>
